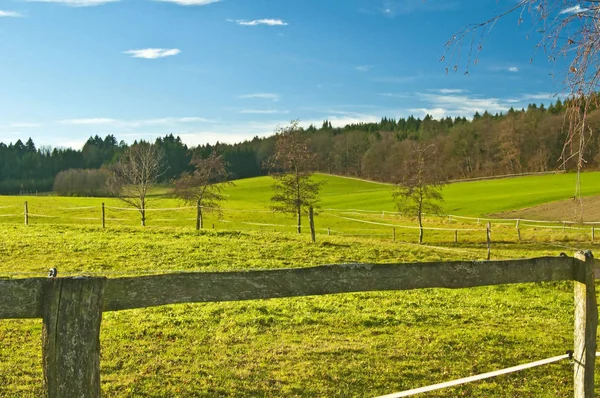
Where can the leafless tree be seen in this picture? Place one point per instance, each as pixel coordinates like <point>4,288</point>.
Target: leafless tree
<point>569,31</point>
<point>136,172</point>
<point>419,183</point>
<point>292,166</point>
<point>204,186</point>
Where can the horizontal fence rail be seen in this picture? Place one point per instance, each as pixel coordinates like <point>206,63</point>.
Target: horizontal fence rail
<point>22,298</point>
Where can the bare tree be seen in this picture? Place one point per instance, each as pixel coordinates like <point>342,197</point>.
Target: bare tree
<point>419,183</point>
<point>204,186</point>
<point>136,172</point>
<point>292,166</point>
<point>569,30</point>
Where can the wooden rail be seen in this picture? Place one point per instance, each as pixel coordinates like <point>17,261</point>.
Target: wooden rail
<point>71,308</point>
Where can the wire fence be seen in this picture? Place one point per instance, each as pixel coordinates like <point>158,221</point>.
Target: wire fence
<point>447,230</point>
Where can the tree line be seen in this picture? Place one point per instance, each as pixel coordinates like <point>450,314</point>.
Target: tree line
<point>520,141</point>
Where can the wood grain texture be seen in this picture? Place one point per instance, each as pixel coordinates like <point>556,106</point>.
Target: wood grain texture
<point>148,291</point>
<point>586,324</point>
<point>21,298</point>
<point>72,313</point>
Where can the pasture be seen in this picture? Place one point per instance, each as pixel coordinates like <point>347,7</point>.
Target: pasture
<point>351,345</point>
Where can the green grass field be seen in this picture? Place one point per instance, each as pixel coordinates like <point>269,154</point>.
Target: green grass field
<point>352,345</point>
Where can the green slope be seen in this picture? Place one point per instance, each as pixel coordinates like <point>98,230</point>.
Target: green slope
<point>464,198</point>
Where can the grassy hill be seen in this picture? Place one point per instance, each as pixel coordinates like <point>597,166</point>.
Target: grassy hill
<point>475,198</point>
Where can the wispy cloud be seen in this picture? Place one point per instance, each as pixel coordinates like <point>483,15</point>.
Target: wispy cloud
<point>513,69</point>
<point>25,125</point>
<point>263,111</point>
<point>364,68</point>
<point>269,22</point>
<point>10,14</point>
<point>574,10</point>
<point>153,53</point>
<point>191,2</point>
<point>458,105</point>
<point>77,3</point>
<point>449,91</point>
<point>133,123</point>
<point>266,96</point>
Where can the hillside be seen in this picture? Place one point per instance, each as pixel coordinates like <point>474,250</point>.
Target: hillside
<point>475,198</point>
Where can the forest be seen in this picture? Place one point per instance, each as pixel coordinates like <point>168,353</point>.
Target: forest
<point>519,141</point>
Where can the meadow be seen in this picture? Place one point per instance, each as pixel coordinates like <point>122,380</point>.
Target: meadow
<point>351,345</point>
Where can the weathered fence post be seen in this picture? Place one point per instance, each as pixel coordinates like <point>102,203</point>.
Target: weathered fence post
<point>519,234</point>
<point>593,233</point>
<point>72,312</point>
<point>394,234</point>
<point>586,323</point>
<point>26,212</point>
<point>488,234</point>
<point>103,216</point>
<point>199,221</point>
<point>311,222</point>
<point>328,231</point>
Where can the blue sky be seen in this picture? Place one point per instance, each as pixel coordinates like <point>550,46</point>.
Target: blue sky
<point>227,70</point>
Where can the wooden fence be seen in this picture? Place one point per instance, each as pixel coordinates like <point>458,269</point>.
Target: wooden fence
<point>71,308</point>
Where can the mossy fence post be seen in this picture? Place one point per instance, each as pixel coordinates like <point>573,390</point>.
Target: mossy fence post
<point>71,313</point>
<point>311,222</point>
<point>488,233</point>
<point>586,324</point>
<point>103,216</point>
<point>26,212</point>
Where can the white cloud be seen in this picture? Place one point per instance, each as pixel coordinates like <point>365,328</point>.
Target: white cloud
<point>77,3</point>
<point>436,113</point>
<point>10,14</point>
<point>269,22</point>
<point>364,68</point>
<point>513,69</point>
<point>153,53</point>
<point>89,121</point>
<point>266,96</point>
<point>449,91</point>
<point>167,121</point>
<point>461,105</point>
<point>262,111</point>
<point>574,10</point>
<point>191,2</point>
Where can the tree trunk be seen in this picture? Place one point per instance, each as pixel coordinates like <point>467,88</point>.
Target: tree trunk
<point>299,220</point>
<point>143,211</point>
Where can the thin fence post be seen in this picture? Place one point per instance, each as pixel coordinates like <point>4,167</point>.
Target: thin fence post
<point>518,222</point>
<point>478,221</point>
<point>311,222</point>
<point>593,233</point>
<point>72,313</point>
<point>489,240</point>
<point>519,234</point>
<point>456,236</point>
<point>586,324</point>
<point>26,212</point>
<point>328,231</point>
<point>103,216</point>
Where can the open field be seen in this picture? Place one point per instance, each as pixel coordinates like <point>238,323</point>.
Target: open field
<point>352,345</point>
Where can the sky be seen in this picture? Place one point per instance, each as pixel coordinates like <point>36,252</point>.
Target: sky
<point>229,70</point>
